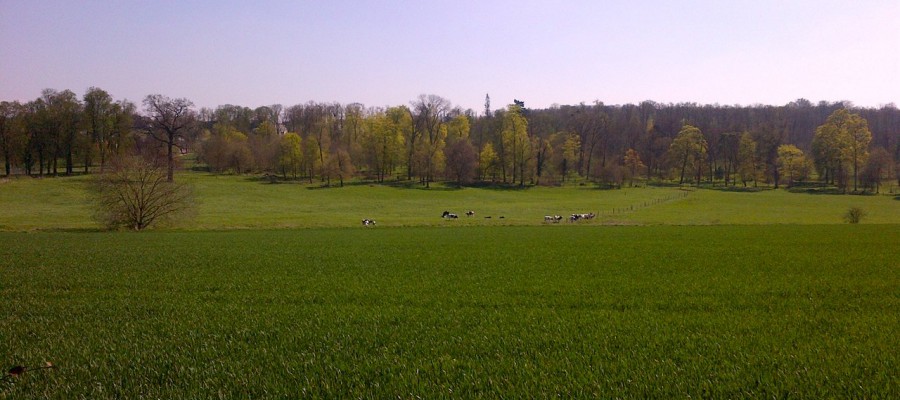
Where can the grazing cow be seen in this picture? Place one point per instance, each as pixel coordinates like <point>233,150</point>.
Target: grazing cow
<point>470,213</point>
<point>576,217</point>
<point>448,214</point>
<point>553,218</point>
<point>368,222</point>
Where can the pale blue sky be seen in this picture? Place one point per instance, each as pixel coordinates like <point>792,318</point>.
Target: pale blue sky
<point>379,53</point>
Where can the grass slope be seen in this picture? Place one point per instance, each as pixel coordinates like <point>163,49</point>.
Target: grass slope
<point>662,312</point>
<point>229,202</point>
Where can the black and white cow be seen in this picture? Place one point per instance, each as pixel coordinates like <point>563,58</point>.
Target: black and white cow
<point>470,213</point>
<point>576,217</point>
<point>368,222</point>
<point>448,214</point>
<point>553,218</point>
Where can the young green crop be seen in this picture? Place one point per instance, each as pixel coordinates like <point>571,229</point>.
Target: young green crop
<point>578,311</point>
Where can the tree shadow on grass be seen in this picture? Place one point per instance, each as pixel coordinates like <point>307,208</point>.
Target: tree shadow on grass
<point>737,189</point>
<point>503,187</point>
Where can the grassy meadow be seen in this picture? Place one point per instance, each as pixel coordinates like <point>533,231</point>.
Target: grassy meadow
<point>245,202</point>
<point>653,311</point>
<point>276,291</point>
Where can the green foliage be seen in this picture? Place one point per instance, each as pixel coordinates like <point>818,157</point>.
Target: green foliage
<point>688,150</point>
<point>515,312</point>
<point>792,162</point>
<point>487,162</point>
<point>515,145</point>
<point>290,158</point>
<point>841,143</point>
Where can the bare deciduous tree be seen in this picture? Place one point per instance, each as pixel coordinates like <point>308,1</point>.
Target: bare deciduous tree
<point>171,119</point>
<point>135,194</point>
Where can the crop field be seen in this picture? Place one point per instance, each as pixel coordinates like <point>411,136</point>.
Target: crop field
<point>762,311</point>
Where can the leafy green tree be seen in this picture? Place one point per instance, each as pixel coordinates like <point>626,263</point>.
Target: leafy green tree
<point>429,136</point>
<point>290,158</point>
<point>383,140</point>
<point>791,160</point>
<point>571,151</point>
<point>487,161</point>
<point>689,149</point>
<point>226,149</point>
<point>311,157</point>
<point>843,140</point>
<point>515,143</point>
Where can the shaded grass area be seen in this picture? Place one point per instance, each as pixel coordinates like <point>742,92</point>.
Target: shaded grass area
<point>716,311</point>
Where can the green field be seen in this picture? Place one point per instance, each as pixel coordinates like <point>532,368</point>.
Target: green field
<point>660,311</point>
<point>243,202</point>
<point>276,291</point>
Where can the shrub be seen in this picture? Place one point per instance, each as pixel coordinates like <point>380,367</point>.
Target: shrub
<point>854,215</point>
<point>135,194</point>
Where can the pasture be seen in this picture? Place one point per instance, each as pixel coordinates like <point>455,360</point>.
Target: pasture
<point>242,202</point>
<point>756,311</point>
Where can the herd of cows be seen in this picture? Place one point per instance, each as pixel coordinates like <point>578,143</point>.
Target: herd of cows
<point>547,218</point>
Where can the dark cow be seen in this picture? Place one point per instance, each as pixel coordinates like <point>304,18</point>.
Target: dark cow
<point>470,213</point>
<point>368,222</point>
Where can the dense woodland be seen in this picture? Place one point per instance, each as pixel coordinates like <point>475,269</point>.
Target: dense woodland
<point>835,144</point>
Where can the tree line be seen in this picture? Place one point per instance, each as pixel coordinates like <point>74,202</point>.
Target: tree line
<point>430,140</point>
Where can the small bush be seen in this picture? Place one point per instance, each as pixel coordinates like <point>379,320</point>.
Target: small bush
<point>854,215</point>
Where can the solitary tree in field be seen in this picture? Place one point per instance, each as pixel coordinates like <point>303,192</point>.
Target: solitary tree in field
<point>135,194</point>
<point>171,119</point>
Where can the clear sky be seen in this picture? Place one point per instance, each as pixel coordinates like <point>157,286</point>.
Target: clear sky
<point>380,53</point>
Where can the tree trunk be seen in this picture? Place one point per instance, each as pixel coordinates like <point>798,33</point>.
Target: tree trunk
<point>170,161</point>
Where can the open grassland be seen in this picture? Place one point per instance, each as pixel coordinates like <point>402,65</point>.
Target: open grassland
<point>240,202</point>
<point>518,312</point>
